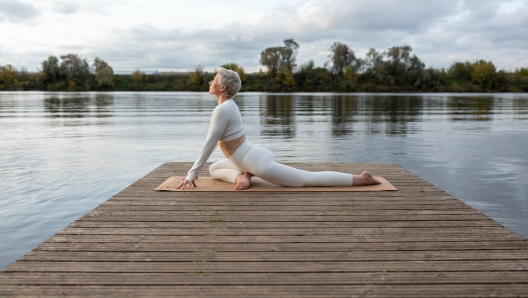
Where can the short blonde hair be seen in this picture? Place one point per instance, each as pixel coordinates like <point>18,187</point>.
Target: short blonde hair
<point>231,80</point>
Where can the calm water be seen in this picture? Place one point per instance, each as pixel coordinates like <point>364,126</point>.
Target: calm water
<point>62,154</point>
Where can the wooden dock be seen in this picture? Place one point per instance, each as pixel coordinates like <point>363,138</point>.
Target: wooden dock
<point>417,241</point>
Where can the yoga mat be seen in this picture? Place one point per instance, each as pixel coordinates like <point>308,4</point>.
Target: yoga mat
<point>257,184</point>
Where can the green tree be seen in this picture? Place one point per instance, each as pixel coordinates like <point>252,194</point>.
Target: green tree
<point>235,67</point>
<point>104,73</point>
<point>484,74</point>
<point>51,69</point>
<point>196,78</point>
<point>280,59</point>
<point>73,67</point>
<point>461,71</point>
<point>402,66</point>
<point>351,75</point>
<point>8,75</point>
<point>517,78</point>
<point>289,54</point>
<point>270,58</point>
<point>414,72</point>
<point>76,71</point>
<point>138,76</point>
<point>99,64</point>
<point>287,78</point>
<point>375,68</point>
<point>105,76</point>
<point>341,56</point>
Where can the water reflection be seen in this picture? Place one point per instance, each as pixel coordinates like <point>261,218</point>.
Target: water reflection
<point>395,112</point>
<point>78,106</point>
<point>344,112</point>
<point>104,104</point>
<point>470,108</point>
<point>67,107</point>
<point>281,115</point>
<point>277,114</point>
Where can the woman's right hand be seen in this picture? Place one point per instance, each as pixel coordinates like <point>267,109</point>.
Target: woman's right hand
<point>185,182</point>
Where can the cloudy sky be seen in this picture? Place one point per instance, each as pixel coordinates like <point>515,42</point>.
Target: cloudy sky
<point>177,35</point>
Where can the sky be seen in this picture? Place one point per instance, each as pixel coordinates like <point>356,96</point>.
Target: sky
<point>178,35</point>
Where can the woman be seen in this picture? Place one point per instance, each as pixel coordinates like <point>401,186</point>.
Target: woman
<point>245,159</point>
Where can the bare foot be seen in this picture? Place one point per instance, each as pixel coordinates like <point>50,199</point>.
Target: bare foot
<point>243,181</point>
<point>364,179</point>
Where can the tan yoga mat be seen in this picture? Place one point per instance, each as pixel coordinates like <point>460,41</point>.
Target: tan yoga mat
<point>257,184</point>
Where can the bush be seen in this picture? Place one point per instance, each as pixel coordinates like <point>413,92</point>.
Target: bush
<point>484,74</point>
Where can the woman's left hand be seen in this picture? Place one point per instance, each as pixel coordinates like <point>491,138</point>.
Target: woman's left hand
<point>184,183</point>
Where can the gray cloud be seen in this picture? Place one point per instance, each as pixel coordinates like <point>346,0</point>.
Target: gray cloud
<point>66,8</point>
<point>16,11</point>
<point>439,32</point>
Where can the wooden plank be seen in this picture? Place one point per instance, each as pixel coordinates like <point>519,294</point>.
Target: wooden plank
<point>280,231</point>
<point>370,290</point>
<point>281,213</point>
<point>232,278</point>
<point>296,224</point>
<point>154,255</point>
<point>270,266</point>
<point>283,208</point>
<point>213,238</point>
<point>277,219</point>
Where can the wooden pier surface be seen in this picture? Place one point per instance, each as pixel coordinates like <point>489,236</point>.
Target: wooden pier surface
<point>415,242</point>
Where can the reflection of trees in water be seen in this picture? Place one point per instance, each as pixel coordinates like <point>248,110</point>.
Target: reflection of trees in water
<point>380,114</point>
<point>53,105</point>
<point>377,114</point>
<point>277,116</point>
<point>67,107</point>
<point>344,112</point>
<point>470,108</point>
<point>61,106</point>
<point>305,105</point>
<point>103,105</point>
<point>400,112</point>
<point>520,106</point>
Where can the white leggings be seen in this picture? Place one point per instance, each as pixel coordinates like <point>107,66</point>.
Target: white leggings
<point>261,163</point>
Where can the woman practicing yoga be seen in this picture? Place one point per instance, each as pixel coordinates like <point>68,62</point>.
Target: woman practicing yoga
<point>245,159</point>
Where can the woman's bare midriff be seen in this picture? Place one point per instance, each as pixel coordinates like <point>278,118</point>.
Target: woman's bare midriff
<point>229,147</point>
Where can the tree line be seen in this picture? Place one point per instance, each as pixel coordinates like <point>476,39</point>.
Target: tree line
<point>393,70</point>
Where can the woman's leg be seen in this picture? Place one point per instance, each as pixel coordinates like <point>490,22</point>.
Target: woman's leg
<point>224,170</point>
<point>260,162</point>
<point>278,173</point>
<point>289,176</point>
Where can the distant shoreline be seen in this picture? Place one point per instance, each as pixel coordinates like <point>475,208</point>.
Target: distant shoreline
<point>254,83</point>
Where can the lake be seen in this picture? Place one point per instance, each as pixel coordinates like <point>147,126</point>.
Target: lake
<point>62,154</point>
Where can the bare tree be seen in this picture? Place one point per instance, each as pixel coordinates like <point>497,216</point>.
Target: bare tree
<point>341,56</point>
<point>99,64</point>
<point>271,58</point>
<point>73,67</point>
<point>289,54</point>
<point>280,59</point>
<point>198,69</point>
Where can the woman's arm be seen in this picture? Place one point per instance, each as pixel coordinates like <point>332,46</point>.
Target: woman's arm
<point>219,120</point>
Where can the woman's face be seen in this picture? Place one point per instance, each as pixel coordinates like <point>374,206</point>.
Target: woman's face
<point>215,87</point>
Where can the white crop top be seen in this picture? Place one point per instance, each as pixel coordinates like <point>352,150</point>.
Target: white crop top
<point>226,125</point>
